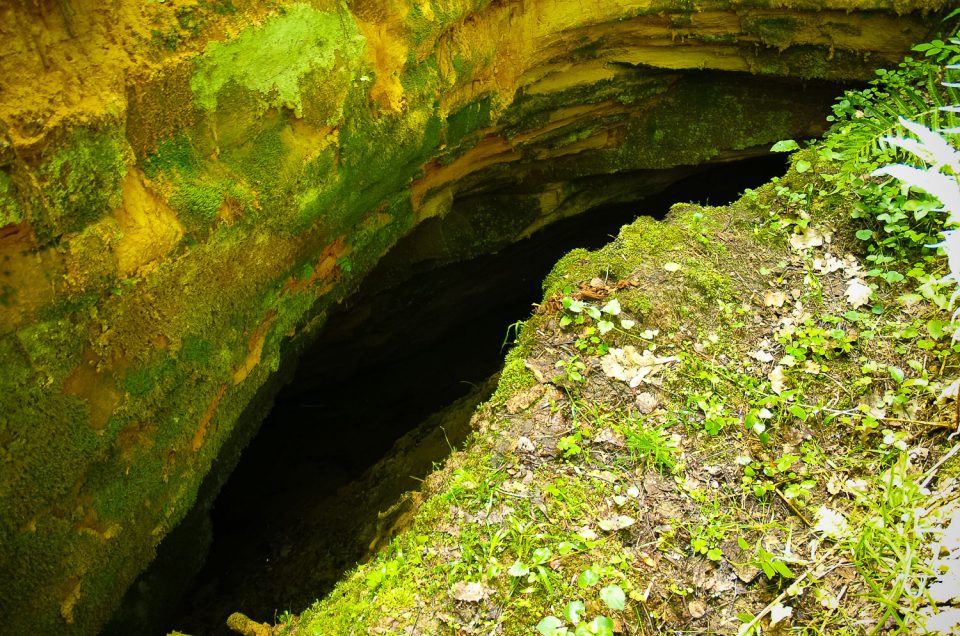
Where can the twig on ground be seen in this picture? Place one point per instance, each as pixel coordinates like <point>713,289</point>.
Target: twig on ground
<point>746,627</point>
<point>795,510</point>
<point>933,471</point>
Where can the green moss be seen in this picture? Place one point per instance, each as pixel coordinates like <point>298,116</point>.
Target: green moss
<point>514,377</point>
<point>531,112</point>
<point>587,51</point>
<point>810,62</point>
<point>422,81</point>
<point>473,116</point>
<point>53,347</point>
<point>776,31</point>
<point>82,180</point>
<point>313,202</point>
<point>271,59</point>
<point>730,114</point>
<point>10,208</point>
<point>559,277</point>
<point>463,67</point>
<point>442,16</point>
<point>197,203</point>
<point>378,156</point>
<point>143,380</point>
<point>195,350</point>
<point>709,283</point>
<point>61,308</point>
<point>172,155</point>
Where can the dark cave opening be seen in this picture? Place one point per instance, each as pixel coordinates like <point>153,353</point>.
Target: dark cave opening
<point>296,513</point>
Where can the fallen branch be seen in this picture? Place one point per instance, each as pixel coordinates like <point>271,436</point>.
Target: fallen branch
<point>933,471</point>
<point>746,628</point>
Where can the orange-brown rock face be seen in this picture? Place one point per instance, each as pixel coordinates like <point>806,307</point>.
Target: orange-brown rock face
<point>185,186</point>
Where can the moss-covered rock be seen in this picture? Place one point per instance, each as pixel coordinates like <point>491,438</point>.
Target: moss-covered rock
<point>185,190</point>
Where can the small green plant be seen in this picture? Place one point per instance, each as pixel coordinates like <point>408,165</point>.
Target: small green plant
<point>650,444</point>
<point>574,368</point>
<point>569,445</point>
<point>574,613</point>
<point>773,567</point>
<point>763,477</point>
<point>577,312</point>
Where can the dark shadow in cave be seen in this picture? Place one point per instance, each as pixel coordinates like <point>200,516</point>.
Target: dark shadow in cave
<point>386,361</point>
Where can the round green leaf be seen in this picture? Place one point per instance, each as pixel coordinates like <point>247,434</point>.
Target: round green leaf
<point>588,578</point>
<point>566,547</point>
<point>573,611</point>
<point>614,597</point>
<point>786,145</point>
<point>542,555</point>
<point>602,626</point>
<point>518,569</point>
<point>549,625</point>
<point>612,307</point>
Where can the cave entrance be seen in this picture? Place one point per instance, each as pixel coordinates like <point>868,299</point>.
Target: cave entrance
<point>386,391</point>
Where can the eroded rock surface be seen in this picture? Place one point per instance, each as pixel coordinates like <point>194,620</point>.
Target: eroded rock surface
<point>185,187</point>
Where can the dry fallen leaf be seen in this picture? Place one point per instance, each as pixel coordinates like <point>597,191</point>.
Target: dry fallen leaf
<point>646,402</point>
<point>761,356</point>
<point>778,381</point>
<point>779,612</point>
<point>609,436</point>
<point>810,238</point>
<point>828,264</point>
<point>587,534</point>
<point>618,522</point>
<point>524,445</point>
<point>632,367</point>
<point>811,367</point>
<point>858,293</point>
<point>697,608</point>
<point>469,592</point>
<point>774,298</point>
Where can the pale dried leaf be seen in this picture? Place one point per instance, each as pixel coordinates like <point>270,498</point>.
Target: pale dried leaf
<point>774,298</point>
<point>617,522</point>
<point>812,237</point>
<point>831,523</point>
<point>780,612</point>
<point>761,356</point>
<point>524,445</point>
<point>811,367</point>
<point>632,367</point>
<point>646,402</point>
<point>611,437</point>
<point>469,592</point>
<point>778,380</point>
<point>697,609</point>
<point>858,293</point>
<point>950,392</point>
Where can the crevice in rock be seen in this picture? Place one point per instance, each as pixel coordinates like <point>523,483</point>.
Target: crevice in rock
<point>384,393</point>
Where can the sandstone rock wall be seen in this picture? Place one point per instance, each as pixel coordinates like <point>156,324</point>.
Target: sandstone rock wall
<point>186,186</point>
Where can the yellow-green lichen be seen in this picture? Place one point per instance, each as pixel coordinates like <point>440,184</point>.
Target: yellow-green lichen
<point>272,59</point>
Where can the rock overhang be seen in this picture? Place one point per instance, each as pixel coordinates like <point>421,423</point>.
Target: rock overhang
<point>186,187</point>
